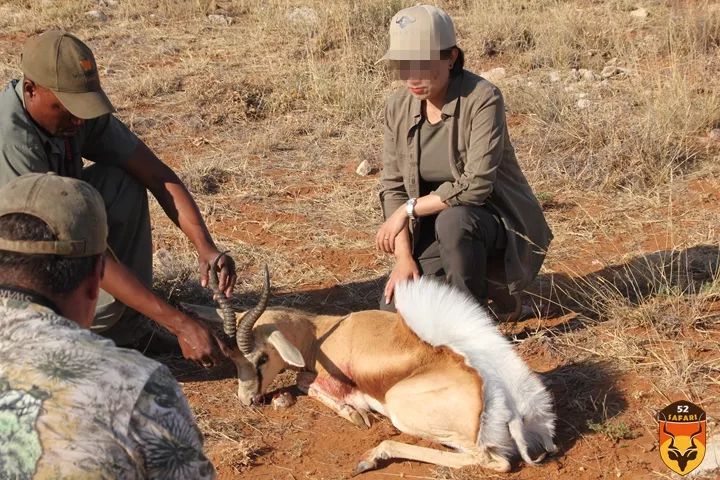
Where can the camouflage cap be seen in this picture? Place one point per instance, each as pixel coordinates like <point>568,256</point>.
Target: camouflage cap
<point>73,210</point>
<point>63,64</point>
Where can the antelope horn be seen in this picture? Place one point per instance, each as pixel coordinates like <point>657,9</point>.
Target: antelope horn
<point>226,309</point>
<point>244,334</point>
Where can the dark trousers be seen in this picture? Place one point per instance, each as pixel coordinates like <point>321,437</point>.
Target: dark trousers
<point>129,236</point>
<point>456,245</point>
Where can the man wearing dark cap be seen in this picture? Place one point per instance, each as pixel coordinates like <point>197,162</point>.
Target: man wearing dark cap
<point>72,404</point>
<point>53,118</point>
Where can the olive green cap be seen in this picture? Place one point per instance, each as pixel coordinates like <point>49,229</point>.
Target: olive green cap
<point>63,64</point>
<point>420,33</point>
<point>73,209</point>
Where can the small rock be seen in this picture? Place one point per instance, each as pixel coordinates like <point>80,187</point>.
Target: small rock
<point>639,13</point>
<point>219,19</point>
<point>613,71</point>
<point>96,15</point>
<point>364,169</point>
<point>583,103</point>
<point>494,74</point>
<point>714,134</point>
<point>554,76</point>
<point>582,469</point>
<point>108,3</point>
<point>303,15</point>
<point>587,75</point>
<point>282,400</point>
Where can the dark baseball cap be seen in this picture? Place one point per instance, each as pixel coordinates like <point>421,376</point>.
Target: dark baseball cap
<point>63,64</point>
<point>72,208</point>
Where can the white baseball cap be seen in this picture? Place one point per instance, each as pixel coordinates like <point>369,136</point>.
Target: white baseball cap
<point>420,33</point>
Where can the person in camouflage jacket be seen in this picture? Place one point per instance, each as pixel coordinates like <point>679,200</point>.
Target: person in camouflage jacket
<point>72,405</point>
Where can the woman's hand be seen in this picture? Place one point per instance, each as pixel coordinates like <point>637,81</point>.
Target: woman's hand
<point>405,269</point>
<point>385,238</point>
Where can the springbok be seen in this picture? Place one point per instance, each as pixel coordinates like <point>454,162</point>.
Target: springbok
<point>438,369</point>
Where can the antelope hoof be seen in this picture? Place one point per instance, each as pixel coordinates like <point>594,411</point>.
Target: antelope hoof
<point>356,418</point>
<point>364,466</point>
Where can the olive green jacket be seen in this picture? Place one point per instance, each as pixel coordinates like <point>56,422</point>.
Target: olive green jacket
<point>483,163</point>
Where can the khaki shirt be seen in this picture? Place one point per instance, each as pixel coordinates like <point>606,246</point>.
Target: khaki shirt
<point>484,166</point>
<point>25,148</point>
<point>73,405</point>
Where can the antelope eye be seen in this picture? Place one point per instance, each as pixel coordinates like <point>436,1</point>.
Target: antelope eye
<point>262,360</point>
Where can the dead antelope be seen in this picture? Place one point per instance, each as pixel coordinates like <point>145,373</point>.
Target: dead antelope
<point>438,370</point>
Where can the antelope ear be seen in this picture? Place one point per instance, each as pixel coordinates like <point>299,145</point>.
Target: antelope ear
<point>287,351</point>
<point>206,313</point>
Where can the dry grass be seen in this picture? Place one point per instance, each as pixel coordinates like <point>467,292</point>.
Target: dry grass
<point>266,118</point>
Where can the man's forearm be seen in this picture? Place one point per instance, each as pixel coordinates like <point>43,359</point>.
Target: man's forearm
<point>184,212</point>
<point>120,282</point>
<point>172,196</point>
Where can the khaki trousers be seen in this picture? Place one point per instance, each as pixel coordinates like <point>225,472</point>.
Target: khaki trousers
<point>129,236</point>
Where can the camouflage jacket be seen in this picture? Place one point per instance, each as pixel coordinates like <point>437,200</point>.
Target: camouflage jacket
<point>72,405</point>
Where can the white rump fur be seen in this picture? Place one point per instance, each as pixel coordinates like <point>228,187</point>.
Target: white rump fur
<point>518,414</point>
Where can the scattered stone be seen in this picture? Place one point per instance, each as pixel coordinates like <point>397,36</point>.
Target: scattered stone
<point>494,74</point>
<point>282,400</point>
<point>714,134</point>
<point>364,169</point>
<point>554,76</point>
<point>587,75</point>
<point>223,20</point>
<point>164,263</point>
<point>639,13</point>
<point>614,71</point>
<point>583,103</point>
<point>96,15</point>
<point>303,15</point>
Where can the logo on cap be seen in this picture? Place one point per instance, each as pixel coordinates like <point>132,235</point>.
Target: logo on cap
<point>404,21</point>
<point>87,65</point>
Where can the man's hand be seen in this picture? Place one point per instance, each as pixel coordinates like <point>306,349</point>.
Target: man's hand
<point>385,238</point>
<point>405,269</point>
<point>198,343</point>
<point>225,268</point>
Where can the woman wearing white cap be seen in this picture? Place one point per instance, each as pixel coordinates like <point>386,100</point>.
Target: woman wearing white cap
<point>450,169</point>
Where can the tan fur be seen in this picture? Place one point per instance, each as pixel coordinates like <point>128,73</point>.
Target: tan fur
<point>372,360</point>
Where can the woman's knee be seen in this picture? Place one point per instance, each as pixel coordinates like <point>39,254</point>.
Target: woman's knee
<point>452,225</point>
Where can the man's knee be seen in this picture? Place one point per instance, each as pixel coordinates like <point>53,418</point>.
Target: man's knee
<point>114,183</point>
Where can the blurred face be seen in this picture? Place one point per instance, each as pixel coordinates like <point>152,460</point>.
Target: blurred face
<point>47,111</point>
<point>424,79</point>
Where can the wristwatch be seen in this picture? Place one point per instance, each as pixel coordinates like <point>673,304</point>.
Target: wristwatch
<point>410,208</point>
